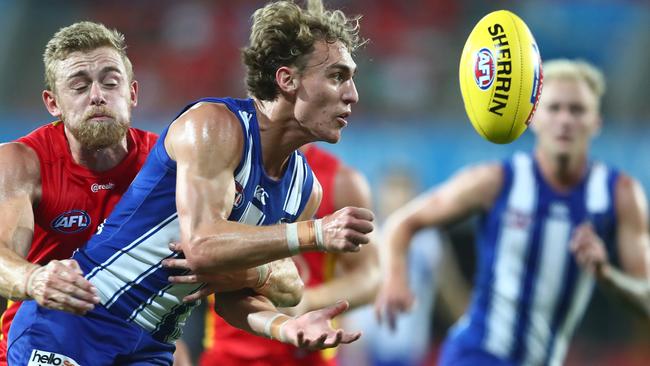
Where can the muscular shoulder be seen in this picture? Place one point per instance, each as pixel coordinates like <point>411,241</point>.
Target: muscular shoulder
<point>209,127</point>
<point>19,167</point>
<point>630,198</point>
<point>351,188</point>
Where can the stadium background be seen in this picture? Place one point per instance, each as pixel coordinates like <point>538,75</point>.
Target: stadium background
<point>410,117</point>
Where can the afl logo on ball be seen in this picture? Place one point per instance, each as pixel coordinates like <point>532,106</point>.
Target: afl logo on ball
<point>484,68</point>
<point>239,195</point>
<point>70,222</point>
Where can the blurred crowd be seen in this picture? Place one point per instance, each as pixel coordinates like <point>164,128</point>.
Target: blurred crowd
<point>407,70</point>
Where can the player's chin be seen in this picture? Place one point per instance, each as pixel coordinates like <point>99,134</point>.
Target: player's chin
<point>334,138</point>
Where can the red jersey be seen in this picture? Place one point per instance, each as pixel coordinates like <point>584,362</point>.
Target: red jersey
<point>74,199</point>
<point>226,345</point>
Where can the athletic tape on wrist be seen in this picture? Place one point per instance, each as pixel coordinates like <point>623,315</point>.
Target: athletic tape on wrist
<point>273,326</point>
<point>318,228</point>
<point>292,238</point>
<point>281,335</point>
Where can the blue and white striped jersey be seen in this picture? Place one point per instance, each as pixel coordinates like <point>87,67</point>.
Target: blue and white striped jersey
<point>123,260</point>
<point>529,291</point>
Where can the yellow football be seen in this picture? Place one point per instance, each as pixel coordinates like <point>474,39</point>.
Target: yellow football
<point>500,76</point>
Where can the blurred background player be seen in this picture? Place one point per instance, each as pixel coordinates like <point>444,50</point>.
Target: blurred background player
<point>408,339</point>
<point>62,180</point>
<point>551,222</point>
<point>328,277</point>
<point>227,175</point>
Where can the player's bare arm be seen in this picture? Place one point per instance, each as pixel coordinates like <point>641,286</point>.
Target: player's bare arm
<point>632,281</point>
<point>472,190</point>
<point>359,278</point>
<point>206,143</point>
<point>59,284</point>
<point>256,315</point>
<point>279,280</point>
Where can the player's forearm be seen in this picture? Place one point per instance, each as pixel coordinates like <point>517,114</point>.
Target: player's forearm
<point>14,274</point>
<point>398,235</point>
<point>246,311</point>
<point>634,291</point>
<point>229,246</point>
<point>358,287</point>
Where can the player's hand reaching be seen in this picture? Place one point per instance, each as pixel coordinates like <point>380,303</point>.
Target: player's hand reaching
<point>347,229</point>
<point>279,280</point>
<point>589,250</point>
<point>314,331</point>
<point>394,297</point>
<point>61,285</point>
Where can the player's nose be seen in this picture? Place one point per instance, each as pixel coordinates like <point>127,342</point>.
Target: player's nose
<point>350,94</point>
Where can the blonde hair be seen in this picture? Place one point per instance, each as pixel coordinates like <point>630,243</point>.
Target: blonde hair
<point>564,69</point>
<point>82,36</point>
<point>283,34</point>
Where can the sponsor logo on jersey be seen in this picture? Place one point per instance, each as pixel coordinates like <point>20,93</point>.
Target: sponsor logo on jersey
<point>239,195</point>
<point>96,187</point>
<point>484,68</point>
<point>43,358</point>
<point>70,222</point>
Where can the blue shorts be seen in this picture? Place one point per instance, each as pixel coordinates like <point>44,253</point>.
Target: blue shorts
<point>40,336</point>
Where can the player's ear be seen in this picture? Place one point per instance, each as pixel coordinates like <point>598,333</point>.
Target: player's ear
<point>286,78</point>
<point>49,99</point>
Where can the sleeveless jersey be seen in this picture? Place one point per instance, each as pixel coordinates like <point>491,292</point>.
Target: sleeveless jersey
<point>124,259</point>
<point>226,345</point>
<point>75,199</point>
<point>530,292</point>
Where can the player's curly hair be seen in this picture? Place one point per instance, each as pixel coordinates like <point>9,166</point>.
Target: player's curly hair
<point>283,34</point>
<point>81,36</point>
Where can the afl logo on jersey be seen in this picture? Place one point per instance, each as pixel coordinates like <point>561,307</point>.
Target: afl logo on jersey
<point>484,68</point>
<point>239,195</point>
<point>70,222</point>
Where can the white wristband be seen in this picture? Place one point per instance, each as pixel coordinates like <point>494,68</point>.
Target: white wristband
<point>292,239</point>
<point>318,228</point>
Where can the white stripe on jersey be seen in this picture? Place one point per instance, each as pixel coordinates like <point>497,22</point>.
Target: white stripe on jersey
<point>550,274</point>
<point>245,172</point>
<point>140,257</point>
<point>597,192</point>
<point>246,118</point>
<point>510,254</point>
<point>292,202</point>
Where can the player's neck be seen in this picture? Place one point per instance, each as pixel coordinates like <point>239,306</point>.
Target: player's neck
<point>279,140</point>
<point>562,172</point>
<point>98,160</point>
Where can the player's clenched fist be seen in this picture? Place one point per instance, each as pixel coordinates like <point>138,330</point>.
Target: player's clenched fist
<point>60,285</point>
<point>346,229</point>
<point>343,231</point>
